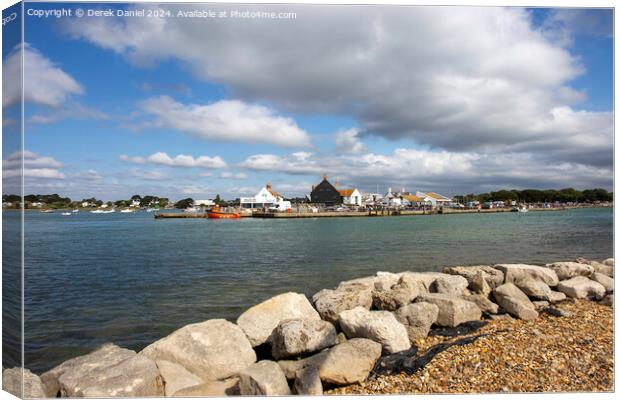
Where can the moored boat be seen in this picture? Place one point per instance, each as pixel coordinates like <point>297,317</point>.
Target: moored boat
<point>216,213</point>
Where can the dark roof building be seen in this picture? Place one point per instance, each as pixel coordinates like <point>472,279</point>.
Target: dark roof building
<point>325,193</point>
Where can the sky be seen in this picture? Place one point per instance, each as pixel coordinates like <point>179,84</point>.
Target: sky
<point>448,99</point>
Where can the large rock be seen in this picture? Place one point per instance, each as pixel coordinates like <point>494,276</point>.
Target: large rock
<point>515,302</point>
<point>555,297</point>
<point>260,320</point>
<point>331,302</point>
<point>453,310</point>
<point>344,364</point>
<point>607,300</point>
<point>379,326</point>
<point>449,284</point>
<point>569,269</point>
<point>222,388</point>
<point>602,268</point>
<point>515,272</point>
<point>176,377</point>
<point>484,304</point>
<point>399,295</point>
<point>492,276</point>
<point>385,280</point>
<point>212,350</point>
<point>78,374</point>
<point>265,378</point>
<point>417,319</point>
<point>479,285</point>
<point>299,336</point>
<point>308,382</point>
<point>606,281</point>
<point>581,287</point>
<point>609,262</point>
<point>13,378</point>
<point>534,288</point>
<point>136,376</point>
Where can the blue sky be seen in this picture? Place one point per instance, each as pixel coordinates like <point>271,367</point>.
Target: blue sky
<point>469,100</point>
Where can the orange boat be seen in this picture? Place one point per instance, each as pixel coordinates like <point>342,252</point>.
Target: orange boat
<point>215,213</point>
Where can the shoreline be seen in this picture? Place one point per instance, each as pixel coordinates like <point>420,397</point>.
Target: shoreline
<point>360,336</point>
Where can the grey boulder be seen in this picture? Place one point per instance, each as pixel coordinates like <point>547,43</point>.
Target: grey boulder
<point>259,321</point>
<point>609,262</point>
<point>308,382</point>
<point>212,350</point>
<point>534,288</point>
<point>331,302</point>
<point>12,379</point>
<point>379,326</point>
<point>515,272</point>
<point>515,302</point>
<point>399,295</point>
<point>344,364</point>
<point>176,377</point>
<point>417,319</point>
<point>265,378</point>
<point>453,310</point>
<point>109,371</point>
<point>492,276</point>
<point>298,336</point>
<point>581,287</point>
<point>569,269</point>
<point>484,304</point>
<point>449,284</point>
<point>222,388</point>
<point>606,281</point>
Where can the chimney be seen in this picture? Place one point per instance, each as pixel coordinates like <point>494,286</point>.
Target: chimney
<point>269,186</point>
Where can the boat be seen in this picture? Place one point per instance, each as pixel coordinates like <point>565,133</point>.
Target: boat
<point>107,211</point>
<point>523,209</point>
<point>216,213</point>
<point>97,212</point>
<point>127,210</point>
<point>47,211</point>
<point>75,211</point>
<point>66,213</point>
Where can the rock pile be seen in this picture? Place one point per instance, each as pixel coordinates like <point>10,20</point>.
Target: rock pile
<point>335,339</point>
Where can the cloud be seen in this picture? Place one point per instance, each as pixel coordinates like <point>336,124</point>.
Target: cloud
<point>148,175</point>
<point>44,82</point>
<point>34,166</point>
<point>446,171</point>
<point>225,120</point>
<point>232,175</point>
<point>470,78</point>
<point>347,141</point>
<point>180,161</point>
<point>73,110</point>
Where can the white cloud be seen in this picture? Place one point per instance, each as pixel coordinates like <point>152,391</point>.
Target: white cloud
<point>347,141</point>
<point>225,120</point>
<point>148,175</point>
<point>44,82</point>
<point>448,77</point>
<point>34,166</point>
<point>233,175</point>
<point>181,160</point>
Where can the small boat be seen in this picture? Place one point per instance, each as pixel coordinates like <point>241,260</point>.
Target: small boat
<point>127,210</point>
<point>66,213</point>
<point>47,211</point>
<point>216,213</point>
<point>108,211</point>
<point>97,212</point>
<point>523,209</point>
<point>75,211</point>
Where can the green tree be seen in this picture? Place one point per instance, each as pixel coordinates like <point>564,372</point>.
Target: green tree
<point>185,203</point>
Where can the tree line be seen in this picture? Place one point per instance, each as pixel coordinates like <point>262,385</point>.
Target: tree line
<point>568,195</point>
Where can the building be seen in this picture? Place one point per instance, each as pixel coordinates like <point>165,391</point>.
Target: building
<point>205,203</point>
<point>371,199</point>
<point>436,199</point>
<point>392,199</point>
<point>351,197</point>
<point>411,200</point>
<point>265,198</point>
<point>325,193</point>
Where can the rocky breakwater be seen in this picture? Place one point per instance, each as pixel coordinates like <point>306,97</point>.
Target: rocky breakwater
<point>290,344</point>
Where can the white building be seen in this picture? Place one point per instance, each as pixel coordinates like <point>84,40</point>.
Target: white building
<point>436,199</point>
<point>351,197</point>
<point>410,200</point>
<point>391,199</point>
<point>205,203</point>
<point>371,199</point>
<point>266,198</point>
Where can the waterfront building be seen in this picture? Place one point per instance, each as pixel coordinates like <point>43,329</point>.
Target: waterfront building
<point>265,198</point>
<point>371,199</point>
<point>351,197</point>
<point>410,200</point>
<point>392,199</point>
<point>325,193</point>
<point>436,199</point>
<point>205,203</point>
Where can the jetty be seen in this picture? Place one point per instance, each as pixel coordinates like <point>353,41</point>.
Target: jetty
<point>181,215</point>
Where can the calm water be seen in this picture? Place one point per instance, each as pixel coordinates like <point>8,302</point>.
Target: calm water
<point>129,279</point>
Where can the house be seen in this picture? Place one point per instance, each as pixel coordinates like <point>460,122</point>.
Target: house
<point>436,199</point>
<point>410,200</point>
<point>392,199</point>
<point>351,197</point>
<point>265,198</point>
<point>325,193</point>
<point>135,203</point>
<point>205,203</point>
<point>371,199</point>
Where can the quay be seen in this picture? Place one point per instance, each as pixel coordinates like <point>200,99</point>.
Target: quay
<point>181,215</point>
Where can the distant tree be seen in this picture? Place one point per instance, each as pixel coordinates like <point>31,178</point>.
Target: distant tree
<point>121,203</point>
<point>219,201</point>
<point>163,201</point>
<point>136,197</point>
<point>147,200</point>
<point>185,203</point>
<point>11,198</point>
